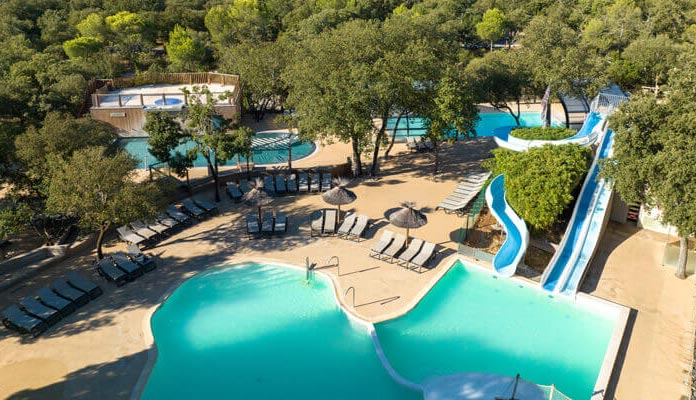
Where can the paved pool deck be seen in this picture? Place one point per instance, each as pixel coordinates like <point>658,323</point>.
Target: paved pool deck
<point>100,351</point>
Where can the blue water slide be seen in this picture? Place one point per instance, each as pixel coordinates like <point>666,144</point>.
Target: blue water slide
<point>512,251</point>
<point>568,265</point>
<point>587,135</point>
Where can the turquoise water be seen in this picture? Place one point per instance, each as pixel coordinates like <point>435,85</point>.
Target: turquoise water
<point>472,321</point>
<point>268,148</point>
<point>415,126</point>
<point>259,332</point>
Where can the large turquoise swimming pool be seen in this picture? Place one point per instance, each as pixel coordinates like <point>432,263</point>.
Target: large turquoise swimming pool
<point>268,148</point>
<point>259,331</point>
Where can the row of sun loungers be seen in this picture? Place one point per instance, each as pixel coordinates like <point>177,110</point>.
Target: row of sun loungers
<point>269,225</point>
<point>353,227</point>
<point>121,268</point>
<point>283,184</point>
<point>392,248</point>
<point>421,144</point>
<point>34,314</point>
<point>140,232</point>
<point>465,191</point>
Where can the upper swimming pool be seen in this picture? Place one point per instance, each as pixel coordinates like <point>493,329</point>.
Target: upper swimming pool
<point>489,122</point>
<point>268,148</point>
<point>259,331</point>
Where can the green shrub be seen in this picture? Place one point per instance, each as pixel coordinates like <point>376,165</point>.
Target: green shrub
<point>540,133</point>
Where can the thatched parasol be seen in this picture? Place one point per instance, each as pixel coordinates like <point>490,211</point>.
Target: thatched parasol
<point>339,195</point>
<point>408,217</point>
<point>257,196</point>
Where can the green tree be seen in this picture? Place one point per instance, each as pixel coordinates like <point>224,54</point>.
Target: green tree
<point>13,219</point>
<point>100,191</point>
<point>185,50</point>
<point>82,47</point>
<point>492,26</point>
<point>539,183</point>
<point>241,20</point>
<point>164,136</point>
<point>653,56</point>
<point>93,26</point>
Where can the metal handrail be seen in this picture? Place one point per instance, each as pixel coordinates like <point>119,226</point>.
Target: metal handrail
<point>346,294</point>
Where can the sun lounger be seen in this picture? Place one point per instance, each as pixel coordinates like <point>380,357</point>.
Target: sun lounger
<point>411,144</point>
<point>141,229</point>
<point>175,213</point>
<point>233,191</point>
<point>267,223</point>
<point>429,146</point>
<point>168,221</point>
<point>426,254</point>
<point>244,186</point>
<point>292,183</point>
<point>314,183</point>
<point>325,181</point>
<point>210,208</point>
<point>379,247</point>
<point>330,216</point>
<point>281,222</point>
<point>464,193</point>
<point>347,225</point>
<point>63,306</point>
<point>140,258</point>
<point>81,283</point>
<point>280,186</point>
<point>192,208</point>
<point>18,320</point>
<point>269,185</point>
<point>62,289</point>
<point>303,183</point>
<point>43,312</point>
<point>395,247</point>
<point>359,227</point>
<point>317,224</point>
<point>252,222</point>
<point>128,236</point>
<point>112,273</point>
<point>133,270</point>
<point>158,227</point>
<point>408,254</point>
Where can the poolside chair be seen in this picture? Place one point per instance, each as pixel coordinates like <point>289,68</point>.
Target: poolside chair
<point>133,270</point>
<point>347,225</point>
<point>426,254</point>
<point>408,254</point>
<point>192,208</point>
<point>314,183</point>
<point>394,248</point>
<point>244,186</point>
<point>281,222</point>
<point>428,144</point>
<point>292,183</point>
<point>141,229</point>
<point>175,213</point>
<point>210,208</point>
<point>128,236</point>
<point>140,258</point>
<point>16,319</point>
<point>411,144</point>
<point>252,222</point>
<point>303,183</point>
<point>34,308</point>
<point>49,298</point>
<point>168,221</point>
<point>379,247</point>
<point>330,219</point>
<point>267,223</point>
<point>317,223</point>
<point>268,184</point>
<point>62,289</point>
<point>158,227</point>
<point>233,191</point>
<point>325,181</point>
<point>107,269</point>
<point>359,228</point>
<point>81,283</point>
<point>280,185</point>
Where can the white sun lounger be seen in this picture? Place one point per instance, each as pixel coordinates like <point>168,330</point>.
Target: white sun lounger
<point>314,183</point>
<point>379,247</point>
<point>330,221</point>
<point>425,255</point>
<point>303,183</point>
<point>359,227</point>
<point>395,247</point>
<point>127,235</point>
<point>141,229</point>
<point>347,225</point>
<point>413,249</point>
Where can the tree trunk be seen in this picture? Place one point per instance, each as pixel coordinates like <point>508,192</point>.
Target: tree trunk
<point>100,239</point>
<point>378,141</point>
<point>211,167</point>
<point>683,252</point>
<point>290,151</point>
<point>436,151</point>
<point>357,162</point>
<point>393,136</point>
<point>491,45</point>
<point>514,115</point>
